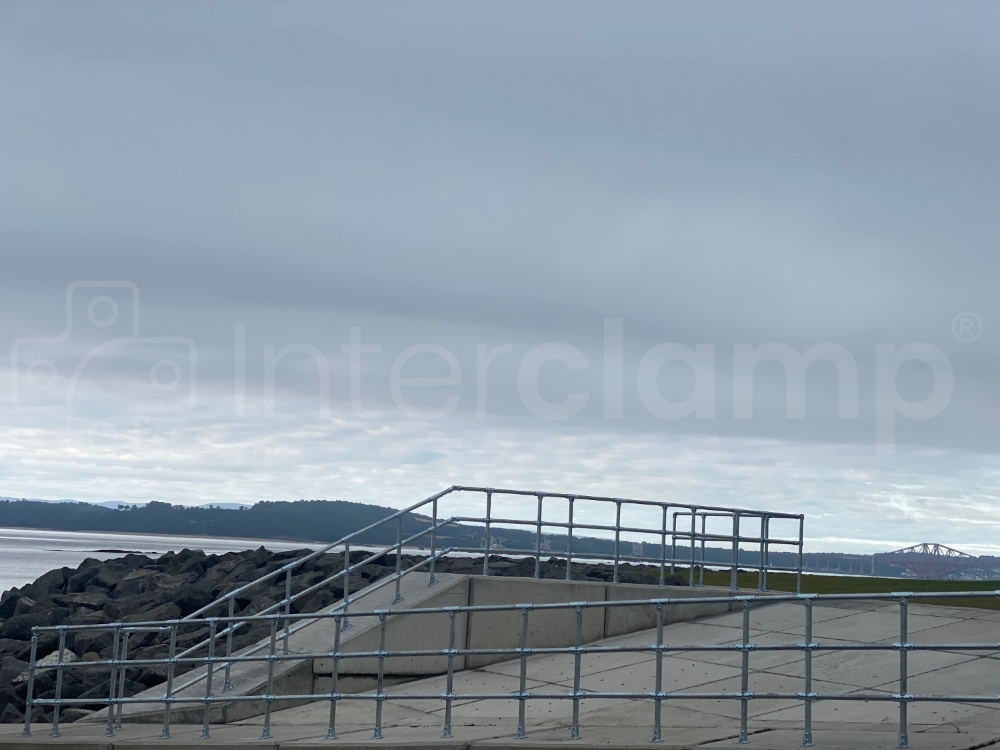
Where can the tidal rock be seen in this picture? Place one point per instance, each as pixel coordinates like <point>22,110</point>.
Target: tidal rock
<point>68,658</point>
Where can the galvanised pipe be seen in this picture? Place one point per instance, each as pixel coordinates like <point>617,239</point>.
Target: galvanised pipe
<point>54,732</point>
<point>331,731</point>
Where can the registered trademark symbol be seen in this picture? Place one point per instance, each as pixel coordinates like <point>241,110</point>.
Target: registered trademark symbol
<point>967,326</point>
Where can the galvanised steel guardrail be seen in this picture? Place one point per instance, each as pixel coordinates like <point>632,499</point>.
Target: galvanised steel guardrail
<point>695,539</point>
<point>225,605</point>
<point>656,695</point>
<point>491,522</point>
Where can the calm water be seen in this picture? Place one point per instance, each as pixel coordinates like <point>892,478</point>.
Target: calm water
<point>25,554</point>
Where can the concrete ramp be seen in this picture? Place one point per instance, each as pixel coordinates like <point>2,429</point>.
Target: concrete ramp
<point>296,676</point>
<point>473,630</point>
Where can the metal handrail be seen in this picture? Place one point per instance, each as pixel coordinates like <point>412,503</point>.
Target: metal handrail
<point>490,522</point>
<point>345,541</point>
<point>745,647</point>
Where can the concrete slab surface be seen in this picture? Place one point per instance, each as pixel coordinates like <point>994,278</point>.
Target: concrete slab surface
<point>963,631</point>
<point>981,674</point>
<point>870,669</point>
<point>839,739</point>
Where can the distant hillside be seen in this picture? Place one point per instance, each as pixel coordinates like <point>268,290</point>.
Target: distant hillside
<point>303,520</point>
<point>307,520</point>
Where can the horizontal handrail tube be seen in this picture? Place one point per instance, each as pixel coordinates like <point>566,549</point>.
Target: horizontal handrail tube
<point>748,512</point>
<point>513,652</point>
<point>680,561</point>
<point>599,604</point>
<point>698,535</point>
<point>529,695</point>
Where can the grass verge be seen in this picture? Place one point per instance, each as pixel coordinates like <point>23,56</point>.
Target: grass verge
<point>813,584</point>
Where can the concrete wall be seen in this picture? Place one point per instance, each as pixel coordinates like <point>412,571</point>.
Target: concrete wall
<point>622,620</point>
<point>491,630</point>
<point>555,628</point>
<point>406,632</point>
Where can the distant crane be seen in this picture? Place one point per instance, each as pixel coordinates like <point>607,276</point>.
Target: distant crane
<point>929,560</point>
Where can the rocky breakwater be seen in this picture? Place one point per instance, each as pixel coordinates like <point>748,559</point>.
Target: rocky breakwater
<point>137,588</point>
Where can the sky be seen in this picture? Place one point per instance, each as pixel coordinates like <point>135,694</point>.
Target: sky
<point>742,255</point>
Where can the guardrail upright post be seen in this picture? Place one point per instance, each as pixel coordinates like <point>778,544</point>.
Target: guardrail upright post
<point>798,567</point>
<point>269,691</point>
<point>745,672</point>
<point>210,670</point>
<point>658,687</point>
<point>618,523</point>
<point>347,582</point>
<point>399,559</point>
<point>226,684</point>
<point>110,730</point>
<point>904,738</point>
<point>663,547</point>
<point>538,539</point>
<point>524,674</point>
<point>673,544</point>
<point>121,680</point>
<point>450,683</point>
<point>28,701</point>
<point>694,531</point>
<point>569,542</point>
<point>807,734</point>
<point>574,732</point>
<point>331,730</point>
<point>734,571</point>
<point>168,696</point>
<point>54,732</point>
<point>380,681</point>
<point>489,533</point>
<point>288,610</point>
<point>701,572</point>
<point>431,580</point>
<point>765,550</point>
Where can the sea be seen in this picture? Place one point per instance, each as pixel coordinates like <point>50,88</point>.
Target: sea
<point>25,554</point>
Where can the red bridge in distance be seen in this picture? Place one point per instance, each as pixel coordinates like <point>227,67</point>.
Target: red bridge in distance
<point>929,560</point>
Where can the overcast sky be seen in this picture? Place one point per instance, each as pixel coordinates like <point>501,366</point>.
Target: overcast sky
<point>584,182</point>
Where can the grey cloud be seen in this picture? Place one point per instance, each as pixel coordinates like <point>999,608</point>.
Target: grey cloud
<point>516,172</point>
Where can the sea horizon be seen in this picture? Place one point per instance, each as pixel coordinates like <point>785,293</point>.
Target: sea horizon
<point>26,554</point>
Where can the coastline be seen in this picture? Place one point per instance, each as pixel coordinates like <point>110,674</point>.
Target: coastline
<point>27,553</point>
<point>263,540</point>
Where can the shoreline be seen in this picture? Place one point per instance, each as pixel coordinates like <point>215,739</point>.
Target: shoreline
<point>158,535</point>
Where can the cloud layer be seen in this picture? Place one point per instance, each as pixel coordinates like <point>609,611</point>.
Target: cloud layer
<point>512,173</point>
